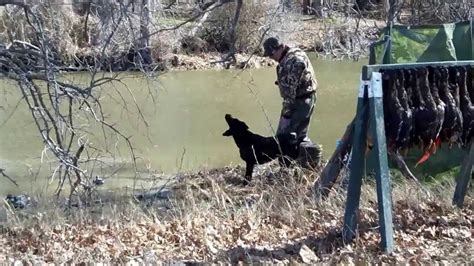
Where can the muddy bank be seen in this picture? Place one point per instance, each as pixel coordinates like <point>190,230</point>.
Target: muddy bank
<point>335,39</point>
<point>216,61</point>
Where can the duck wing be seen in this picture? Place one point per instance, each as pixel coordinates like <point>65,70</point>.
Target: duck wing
<point>404,136</point>
<point>452,125</point>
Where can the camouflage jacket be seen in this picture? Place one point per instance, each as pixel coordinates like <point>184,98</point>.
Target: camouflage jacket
<point>295,78</point>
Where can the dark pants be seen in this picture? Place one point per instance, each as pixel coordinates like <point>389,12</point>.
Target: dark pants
<point>300,118</point>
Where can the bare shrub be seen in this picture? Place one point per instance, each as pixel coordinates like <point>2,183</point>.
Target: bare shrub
<point>72,37</point>
<point>434,11</point>
<point>415,12</point>
<point>248,32</point>
<point>64,110</point>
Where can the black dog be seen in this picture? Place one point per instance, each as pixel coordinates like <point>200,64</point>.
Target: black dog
<point>255,149</point>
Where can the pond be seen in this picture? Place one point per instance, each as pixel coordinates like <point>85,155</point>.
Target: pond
<point>185,118</point>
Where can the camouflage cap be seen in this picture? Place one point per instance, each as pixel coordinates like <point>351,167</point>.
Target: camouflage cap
<point>270,45</point>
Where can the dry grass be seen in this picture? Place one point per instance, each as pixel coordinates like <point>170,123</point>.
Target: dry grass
<point>209,218</point>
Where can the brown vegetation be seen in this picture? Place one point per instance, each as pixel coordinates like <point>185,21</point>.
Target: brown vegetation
<point>342,29</point>
<point>275,219</point>
<point>208,218</point>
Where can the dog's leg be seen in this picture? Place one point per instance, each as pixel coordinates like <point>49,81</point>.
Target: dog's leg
<point>248,173</point>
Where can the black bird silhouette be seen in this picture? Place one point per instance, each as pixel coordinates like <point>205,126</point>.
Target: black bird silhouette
<point>426,116</point>
<point>466,105</point>
<point>440,106</point>
<point>393,112</point>
<point>404,136</point>
<point>453,121</point>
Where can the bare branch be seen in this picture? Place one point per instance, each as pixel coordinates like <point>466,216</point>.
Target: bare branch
<point>2,171</point>
<point>56,105</point>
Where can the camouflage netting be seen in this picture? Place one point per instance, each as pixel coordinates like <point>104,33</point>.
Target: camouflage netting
<point>409,44</point>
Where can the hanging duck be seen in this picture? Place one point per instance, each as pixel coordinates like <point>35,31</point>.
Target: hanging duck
<point>470,81</point>
<point>414,100</point>
<point>453,85</point>
<point>404,136</point>
<point>467,108</point>
<point>453,123</point>
<point>394,111</point>
<point>427,119</point>
<point>418,107</point>
<point>440,106</point>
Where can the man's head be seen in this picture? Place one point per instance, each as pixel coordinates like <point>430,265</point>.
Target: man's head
<point>273,48</point>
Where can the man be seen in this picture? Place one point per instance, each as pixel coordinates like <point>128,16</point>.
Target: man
<point>297,85</point>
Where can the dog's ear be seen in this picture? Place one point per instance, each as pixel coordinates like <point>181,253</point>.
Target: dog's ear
<point>227,133</point>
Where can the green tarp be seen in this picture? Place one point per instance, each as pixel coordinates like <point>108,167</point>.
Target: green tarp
<point>410,44</point>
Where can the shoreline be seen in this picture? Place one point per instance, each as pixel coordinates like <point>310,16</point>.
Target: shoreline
<point>176,62</point>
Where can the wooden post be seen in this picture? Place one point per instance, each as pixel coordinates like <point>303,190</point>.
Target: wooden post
<point>370,106</point>
<point>357,164</point>
<point>333,167</point>
<point>384,194</point>
<point>463,178</point>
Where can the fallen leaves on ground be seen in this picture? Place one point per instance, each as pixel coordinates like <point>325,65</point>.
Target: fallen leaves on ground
<point>211,218</point>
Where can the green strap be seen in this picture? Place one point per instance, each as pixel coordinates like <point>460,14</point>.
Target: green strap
<point>472,34</point>
<point>387,53</point>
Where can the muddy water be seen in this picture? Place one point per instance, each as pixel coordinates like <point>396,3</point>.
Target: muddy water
<point>185,119</point>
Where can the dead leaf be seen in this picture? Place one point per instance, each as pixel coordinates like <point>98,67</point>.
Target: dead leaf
<point>307,255</point>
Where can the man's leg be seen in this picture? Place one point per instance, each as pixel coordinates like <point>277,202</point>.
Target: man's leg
<point>309,153</point>
<point>301,117</point>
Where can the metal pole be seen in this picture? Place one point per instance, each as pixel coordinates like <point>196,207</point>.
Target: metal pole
<point>384,191</point>
<point>463,178</point>
<point>472,33</point>
<point>357,163</point>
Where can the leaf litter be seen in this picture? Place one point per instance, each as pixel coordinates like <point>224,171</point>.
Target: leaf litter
<point>211,218</point>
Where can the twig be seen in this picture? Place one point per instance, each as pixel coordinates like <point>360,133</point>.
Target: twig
<point>2,171</point>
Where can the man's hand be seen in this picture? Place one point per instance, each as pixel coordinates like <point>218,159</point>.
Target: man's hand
<point>283,124</point>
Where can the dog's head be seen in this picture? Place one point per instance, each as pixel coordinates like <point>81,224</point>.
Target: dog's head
<point>235,126</point>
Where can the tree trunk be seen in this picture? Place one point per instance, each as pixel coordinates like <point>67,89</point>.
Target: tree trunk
<point>233,29</point>
<point>317,7</point>
<point>390,9</point>
<point>203,19</point>
<point>144,21</point>
<point>143,48</point>
<point>306,7</point>
<point>361,5</point>
<point>286,5</point>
